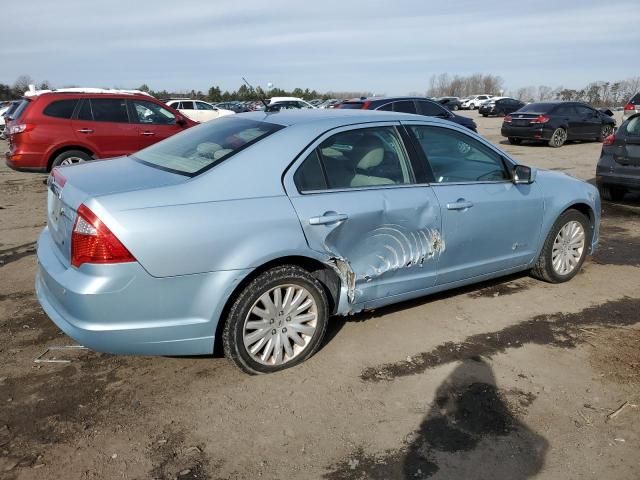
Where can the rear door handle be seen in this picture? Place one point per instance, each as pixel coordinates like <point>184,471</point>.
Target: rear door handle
<point>85,130</point>
<point>327,218</point>
<point>459,205</point>
<point>148,134</point>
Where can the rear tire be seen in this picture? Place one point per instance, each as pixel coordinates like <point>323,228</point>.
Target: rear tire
<point>514,140</point>
<point>558,138</point>
<point>70,157</point>
<point>254,352</point>
<point>611,193</point>
<point>606,131</point>
<point>544,268</point>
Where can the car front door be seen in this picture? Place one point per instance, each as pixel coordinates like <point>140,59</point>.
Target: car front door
<point>489,224</point>
<point>355,193</point>
<point>154,122</point>
<point>102,124</point>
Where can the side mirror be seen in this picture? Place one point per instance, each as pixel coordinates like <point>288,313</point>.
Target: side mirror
<point>523,175</point>
<point>180,121</point>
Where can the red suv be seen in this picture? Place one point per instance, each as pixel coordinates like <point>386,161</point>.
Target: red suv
<point>60,128</point>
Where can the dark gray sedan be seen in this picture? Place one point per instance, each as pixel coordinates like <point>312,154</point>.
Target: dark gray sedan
<point>618,169</point>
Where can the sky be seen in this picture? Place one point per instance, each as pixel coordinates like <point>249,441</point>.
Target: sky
<point>386,47</point>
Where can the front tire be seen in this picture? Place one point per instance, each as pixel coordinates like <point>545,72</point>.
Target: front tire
<point>558,138</point>
<point>277,321</point>
<point>565,248</point>
<point>514,140</point>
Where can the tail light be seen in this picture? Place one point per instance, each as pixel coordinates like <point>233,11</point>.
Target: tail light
<point>540,119</point>
<point>57,177</point>
<point>629,106</point>
<point>609,140</point>
<point>93,242</point>
<point>507,119</point>
<point>20,128</point>
<point>365,105</point>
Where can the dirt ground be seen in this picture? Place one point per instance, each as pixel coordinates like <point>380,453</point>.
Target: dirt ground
<point>509,379</point>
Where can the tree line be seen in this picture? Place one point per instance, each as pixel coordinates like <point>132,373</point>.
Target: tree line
<point>598,94</point>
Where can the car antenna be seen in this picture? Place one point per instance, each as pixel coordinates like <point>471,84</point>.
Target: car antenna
<point>260,95</point>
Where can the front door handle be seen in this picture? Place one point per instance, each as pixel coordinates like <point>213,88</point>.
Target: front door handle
<point>85,130</point>
<point>148,134</point>
<point>459,205</point>
<point>329,217</point>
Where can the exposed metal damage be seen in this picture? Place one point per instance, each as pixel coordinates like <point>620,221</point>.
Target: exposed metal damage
<point>384,250</point>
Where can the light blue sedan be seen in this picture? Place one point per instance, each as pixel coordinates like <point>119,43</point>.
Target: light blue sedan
<point>256,228</point>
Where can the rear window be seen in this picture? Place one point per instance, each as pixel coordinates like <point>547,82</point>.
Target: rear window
<point>201,148</point>
<point>352,105</point>
<point>17,109</point>
<point>635,100</point>
<point>61,108</point>
<point>537,108</point>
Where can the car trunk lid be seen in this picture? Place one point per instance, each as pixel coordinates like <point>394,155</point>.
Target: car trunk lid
<point>524,119</point>
<point>70,187</point>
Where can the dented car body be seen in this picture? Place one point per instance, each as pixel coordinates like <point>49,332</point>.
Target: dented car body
<point>378,207</point>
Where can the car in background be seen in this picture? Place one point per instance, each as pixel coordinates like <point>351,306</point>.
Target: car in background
<point>632,107</point>
<point>557,123</point>
<point>291,101</point>
<point>415,105</point>
<point>474,101</point>
<point>452,103</point>
<point>255,229</point>
<point>233,106</point>
<point>62,127</point>
<point>331,103</point>
<point>3,111</point>
<point>618,170</point>
<point>198,110</point>
<point>500,106</point>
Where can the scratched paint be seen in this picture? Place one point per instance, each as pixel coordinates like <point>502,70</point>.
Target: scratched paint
<point>383,250</point>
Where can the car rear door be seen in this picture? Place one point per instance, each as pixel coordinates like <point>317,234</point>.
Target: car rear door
<point>627,149</point>
<point>153,121</point>
<point>489,224</point>
<point>102,124</point>
<point>589,124</point>
<point>358,201</point>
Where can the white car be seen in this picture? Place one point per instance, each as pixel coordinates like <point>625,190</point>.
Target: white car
<point>474,101</point>
<point>294,101</point>
<point>198,110</point>
<point>3,110</point>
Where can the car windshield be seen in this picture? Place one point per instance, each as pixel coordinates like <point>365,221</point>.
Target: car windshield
<point>200,148</point>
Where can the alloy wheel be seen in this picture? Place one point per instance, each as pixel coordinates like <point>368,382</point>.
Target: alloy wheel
<point>72,161</point>
<point>568,248</point>
<point>606,131</point>
<point>280,325</point>
<point>559,137</point>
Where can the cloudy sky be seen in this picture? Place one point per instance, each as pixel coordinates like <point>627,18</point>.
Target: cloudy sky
<point>389,47</point>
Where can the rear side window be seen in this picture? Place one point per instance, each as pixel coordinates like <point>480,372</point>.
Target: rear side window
<point>151,113</point>
<point>405,106</point>
<point>537,108</point>
<point>201,148</point>
<point>61,108</point>
<point>633,127</point>
<point>310,175</point>
<point>109,110</point>
<point>431,109</point>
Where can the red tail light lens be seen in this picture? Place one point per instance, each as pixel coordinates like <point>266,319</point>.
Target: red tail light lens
<point>629,106</point>
<point>507,119</point>
<point>20,128</point>
<point>540,119</point>
<point>93,242</point>
<point>57,177</point>
<point>609,140</point>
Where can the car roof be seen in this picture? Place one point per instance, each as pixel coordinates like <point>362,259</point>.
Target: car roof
<point>335,117</point>
<point>386,99</point>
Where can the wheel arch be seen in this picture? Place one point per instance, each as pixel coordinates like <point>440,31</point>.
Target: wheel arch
<point>63,149</point>
<point>327,276</point>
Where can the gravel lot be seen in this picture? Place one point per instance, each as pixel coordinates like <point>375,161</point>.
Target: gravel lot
<point>509,379</point>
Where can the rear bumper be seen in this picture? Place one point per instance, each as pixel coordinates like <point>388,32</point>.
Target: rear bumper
<point>25,162</point>
<point>527,133</point>
<point>122,309</point>
<point>619,180</point>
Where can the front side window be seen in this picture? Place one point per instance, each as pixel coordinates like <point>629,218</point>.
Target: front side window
<point>585,112</point>
<point>457,157</point>
<point>367,157</point>
<point>61,108</point>
<point>431,110</point>
<point>200,148</point>
<point>152,113</point>
<point>109,110</point>
<point>203,106</point>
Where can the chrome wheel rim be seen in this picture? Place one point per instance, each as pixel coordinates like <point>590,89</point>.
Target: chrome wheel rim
<point>71,161</point>
<point>568,248</point>
<point>559,137</point>
<point>606,131</point>
<point>280,325</point>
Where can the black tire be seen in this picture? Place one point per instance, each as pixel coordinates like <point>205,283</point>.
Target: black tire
<point>543,269</point>
<point>455,107</point>
<point>514,140</point>
<point>611,193</point>
<point>485,115</point>
<point>232,335</point>
<point>558,137</point>
<point>70,154</point>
